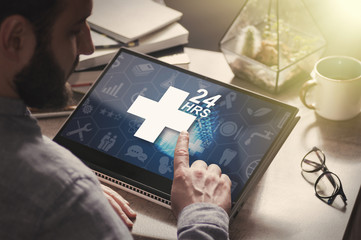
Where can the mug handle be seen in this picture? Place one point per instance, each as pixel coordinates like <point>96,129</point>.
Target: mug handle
<point>307,86</point>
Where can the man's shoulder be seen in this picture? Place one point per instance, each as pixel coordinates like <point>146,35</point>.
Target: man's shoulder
<point>61,163</point>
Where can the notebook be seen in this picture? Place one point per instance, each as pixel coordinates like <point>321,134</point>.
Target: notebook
<point>129,20</point>
<point>126,127</point>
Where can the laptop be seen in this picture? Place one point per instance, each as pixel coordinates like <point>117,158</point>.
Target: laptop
<point>126,126</point>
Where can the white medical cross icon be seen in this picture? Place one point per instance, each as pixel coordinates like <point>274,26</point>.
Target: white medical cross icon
<point>162,114</point>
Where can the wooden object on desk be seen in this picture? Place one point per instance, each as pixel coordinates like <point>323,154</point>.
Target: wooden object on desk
<point>283,205</point>
<point>353,230</point>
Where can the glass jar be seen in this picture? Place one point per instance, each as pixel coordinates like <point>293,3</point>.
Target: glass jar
<point>271,42</point>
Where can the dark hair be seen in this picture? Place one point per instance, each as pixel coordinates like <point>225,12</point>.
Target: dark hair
<point>41,13</point>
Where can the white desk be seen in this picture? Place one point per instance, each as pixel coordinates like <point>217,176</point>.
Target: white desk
<point>283,205</point>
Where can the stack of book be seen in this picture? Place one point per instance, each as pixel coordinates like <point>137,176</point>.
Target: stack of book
<point>145,26</point>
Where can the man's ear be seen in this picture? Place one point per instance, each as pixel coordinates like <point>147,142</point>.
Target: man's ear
<point>17,38</point>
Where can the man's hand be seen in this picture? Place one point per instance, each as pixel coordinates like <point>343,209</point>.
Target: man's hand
<point>198,183</point>
<point>120,205</point>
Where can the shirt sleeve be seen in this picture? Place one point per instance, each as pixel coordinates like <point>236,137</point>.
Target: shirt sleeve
<point>203,221</point>
<point>82,212</point>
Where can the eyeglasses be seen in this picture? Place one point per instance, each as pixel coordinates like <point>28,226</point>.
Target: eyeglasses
<point>328,185</point>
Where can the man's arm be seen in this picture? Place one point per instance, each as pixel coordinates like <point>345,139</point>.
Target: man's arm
<point>81,212</point>
<point>203,221</point>
<point>201,196</point>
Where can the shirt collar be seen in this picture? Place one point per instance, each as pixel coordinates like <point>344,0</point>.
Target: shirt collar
<point>13,107</point>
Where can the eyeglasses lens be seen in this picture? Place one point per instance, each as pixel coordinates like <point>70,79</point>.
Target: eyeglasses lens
<point>328,185</point>
<point>313,161</point>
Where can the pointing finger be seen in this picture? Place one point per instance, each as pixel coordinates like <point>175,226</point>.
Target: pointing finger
<point>181,154</point>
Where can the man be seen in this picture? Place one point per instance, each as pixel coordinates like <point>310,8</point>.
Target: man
<point>45,191</point>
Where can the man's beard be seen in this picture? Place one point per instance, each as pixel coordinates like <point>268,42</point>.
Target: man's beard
<point>41,84</point>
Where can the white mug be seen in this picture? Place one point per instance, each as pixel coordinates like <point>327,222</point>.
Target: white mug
<point>336,85</point>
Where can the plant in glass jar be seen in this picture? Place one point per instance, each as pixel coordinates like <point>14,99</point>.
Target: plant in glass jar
<point>272,41</point>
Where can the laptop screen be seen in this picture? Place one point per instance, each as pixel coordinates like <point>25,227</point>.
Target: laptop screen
<point>132,116</point>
